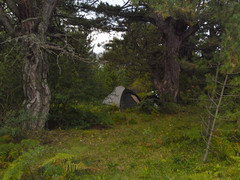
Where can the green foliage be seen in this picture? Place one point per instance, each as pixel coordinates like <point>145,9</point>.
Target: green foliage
<point>179,138</point>
<point>73,81</point>
<point>13,122</point>
<point>62,166</point>
<point>164,141</point>
<point>52,171</point>
<point>17,118</point>
<point>149,106</point>
<point>8,153</point>
<point>80,116</point>
<point>142,84</point>
<point>227,58</point>
<point>222,148</point>
<point>230,44</point>
<point>19,158</point>
<point>169,108</point>
<point>133,58</point>
<point>191,84</point>
<point>184,9</point>
<point>140,55</point>
<point>154,145</point>
<point>15,132</point>
<point>11,92</point>
<point>5,139</point>
<point>111,78</point>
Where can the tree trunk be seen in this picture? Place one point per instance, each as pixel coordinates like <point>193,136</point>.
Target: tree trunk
<point>174,31</point>
<point>168,87</point>
<point>36,89</point>
<point>36,67</point>
<point>30,23</point>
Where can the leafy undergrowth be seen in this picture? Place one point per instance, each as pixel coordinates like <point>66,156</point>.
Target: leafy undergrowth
<point>137,146</point>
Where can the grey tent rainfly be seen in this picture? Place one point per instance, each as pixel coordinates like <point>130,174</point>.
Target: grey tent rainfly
<point>122,98</point>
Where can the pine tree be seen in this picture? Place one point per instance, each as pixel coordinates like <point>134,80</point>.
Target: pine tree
<point>40,28</point>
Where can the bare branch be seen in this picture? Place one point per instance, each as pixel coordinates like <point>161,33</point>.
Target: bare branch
<point>10,51</point>
<point>210,113</point>
<point>65,50</point>
<point>125,5</point>
<point>94,2</point>
<point>30,19</point>
<point>212,100</point>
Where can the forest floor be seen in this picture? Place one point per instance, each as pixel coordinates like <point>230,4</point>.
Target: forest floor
<point>137,146</point>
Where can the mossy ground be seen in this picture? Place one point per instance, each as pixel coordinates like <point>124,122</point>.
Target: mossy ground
<point>138,146</point>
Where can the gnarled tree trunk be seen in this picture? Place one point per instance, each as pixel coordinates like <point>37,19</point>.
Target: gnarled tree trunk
<point>34,25</point>
<point>36,90</point>
<point>35,71</point>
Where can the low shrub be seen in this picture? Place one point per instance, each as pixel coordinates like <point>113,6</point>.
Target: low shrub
<point>62,166</point>
<point>149,105</point>
<point>169,108</point>
<point>18,159</point>
<point>153,105</point>
<point>12,124</point>
<point>222,149</point>
<point>81,116</point>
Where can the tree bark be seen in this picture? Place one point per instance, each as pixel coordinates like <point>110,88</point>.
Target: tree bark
<point>35,85</point>
<point>169,86</point>
<point>36,67</point>
<point>175,31</point>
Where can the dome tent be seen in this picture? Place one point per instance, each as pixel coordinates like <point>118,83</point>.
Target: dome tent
<point>122,98</point>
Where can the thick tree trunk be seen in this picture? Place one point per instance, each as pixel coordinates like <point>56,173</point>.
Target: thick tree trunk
<point>168,87</point>
<point>36,89</point>
<point>36,67</point>
<point>174,31</point>
<point>34,17</point>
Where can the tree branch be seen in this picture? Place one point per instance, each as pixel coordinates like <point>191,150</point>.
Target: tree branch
<point>66,50</point>
<point>5,21</point>
<point>159,21</point>
<point>133,14</point>
<point>191,30</point>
